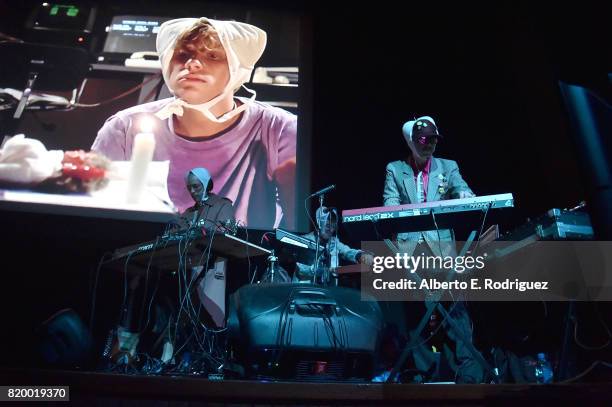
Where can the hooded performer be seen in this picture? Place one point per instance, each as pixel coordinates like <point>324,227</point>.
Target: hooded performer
<point>210,210</point>
<point>421,177</point>
<point>248,147</point>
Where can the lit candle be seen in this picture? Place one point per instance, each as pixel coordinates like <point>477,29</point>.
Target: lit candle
<point>142,154</point>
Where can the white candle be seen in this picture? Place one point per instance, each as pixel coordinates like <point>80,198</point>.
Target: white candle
<point>142,154</point>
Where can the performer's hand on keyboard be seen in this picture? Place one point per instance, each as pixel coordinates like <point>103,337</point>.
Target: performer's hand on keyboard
<point>367,259</point>
<point>466,194</point>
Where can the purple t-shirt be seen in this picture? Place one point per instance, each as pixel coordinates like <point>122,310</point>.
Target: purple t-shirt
<point>241,159</point>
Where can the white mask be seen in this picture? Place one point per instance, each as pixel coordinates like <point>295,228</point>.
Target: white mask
<point>243,44</point>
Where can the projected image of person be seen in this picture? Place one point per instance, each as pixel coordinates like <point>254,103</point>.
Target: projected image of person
<point>248,147</point>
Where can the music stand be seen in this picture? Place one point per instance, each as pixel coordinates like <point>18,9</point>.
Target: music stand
<point>46,67</point>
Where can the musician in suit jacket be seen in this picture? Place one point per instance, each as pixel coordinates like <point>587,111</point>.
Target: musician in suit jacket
<point>421,177</point>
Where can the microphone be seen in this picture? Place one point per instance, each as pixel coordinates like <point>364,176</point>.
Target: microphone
<point>324,190</point>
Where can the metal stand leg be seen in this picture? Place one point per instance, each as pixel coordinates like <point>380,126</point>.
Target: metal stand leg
<point>565,363</point>
<point>430,306</point>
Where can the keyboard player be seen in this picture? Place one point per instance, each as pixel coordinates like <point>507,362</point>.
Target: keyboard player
<point>210,213</point>
<point>324,263</point>
<point>419,178</point>
<point>210,210</point>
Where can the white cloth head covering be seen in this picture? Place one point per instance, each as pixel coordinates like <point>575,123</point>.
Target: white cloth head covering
<point>326,216</point>
<point>409,125</point>
<point>243,44</point>
<point>203,176</point>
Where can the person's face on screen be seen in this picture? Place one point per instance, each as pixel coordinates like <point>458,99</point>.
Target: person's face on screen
<point>198,73</point>
<point>195,188</point>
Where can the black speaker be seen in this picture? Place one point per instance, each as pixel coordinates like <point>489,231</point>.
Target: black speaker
<point>304,332</point>
<point>64,340</point>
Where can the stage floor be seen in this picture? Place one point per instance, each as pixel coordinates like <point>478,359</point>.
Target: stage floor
<point>88,388</point>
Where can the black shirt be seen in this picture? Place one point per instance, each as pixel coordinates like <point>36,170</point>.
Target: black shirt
<point>209,214</point>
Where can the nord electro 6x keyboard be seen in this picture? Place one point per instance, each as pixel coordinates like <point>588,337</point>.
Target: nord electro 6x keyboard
<point>371,223</point>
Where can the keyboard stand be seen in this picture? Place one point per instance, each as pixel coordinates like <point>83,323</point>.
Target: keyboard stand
<point>415,339</point>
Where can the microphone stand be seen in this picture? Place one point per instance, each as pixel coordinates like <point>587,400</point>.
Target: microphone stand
<point>272,261</point>
<point>316,263</point>
<point>321,195</point>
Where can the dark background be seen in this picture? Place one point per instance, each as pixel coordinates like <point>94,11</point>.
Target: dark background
<point>488,74</point>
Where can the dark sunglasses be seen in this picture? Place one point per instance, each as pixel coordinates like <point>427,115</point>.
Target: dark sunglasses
<point>427,139</point>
